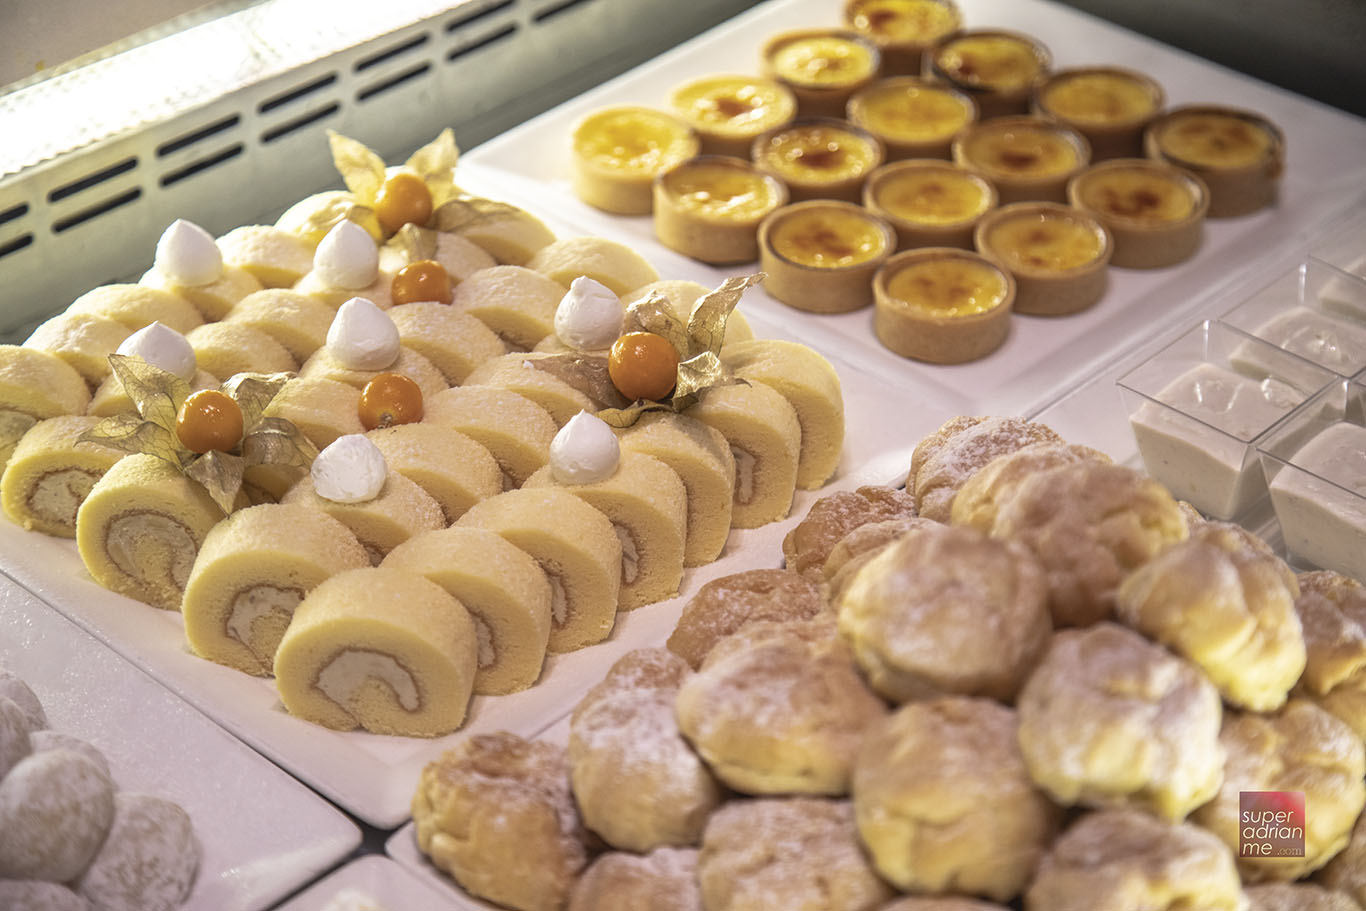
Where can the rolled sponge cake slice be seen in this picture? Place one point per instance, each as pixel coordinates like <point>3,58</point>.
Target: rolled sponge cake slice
<point>380,649</point>
<point>577,548</point>
<point>513,428</point>
<point>251,573</point>
<point>765,438</point>
<point>648,508</point>
<point>140,529</point>
<point>504,589</point>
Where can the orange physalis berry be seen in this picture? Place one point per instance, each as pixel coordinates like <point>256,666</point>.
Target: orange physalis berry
<point>643,365</point>
<point>389,399</point>
<point>424,280</point>
<point>404,199</point>
<point>209,419</point>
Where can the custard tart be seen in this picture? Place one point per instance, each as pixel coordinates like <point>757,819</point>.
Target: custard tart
<point>903,30</point>
<point>820,255</point>
<point>942,305</point>
<point>929,203</point>
<point>1027,158</point>
<point>998,68</point>
<point>911,117</point>
<point>1240,155</point>
<point>710,207</point>
<point>1108,105</point>
<point>1057,254</point>
<point>1155,212</point>
<point>729,112</point>
<point>618,151</point>
<point>819,158</point>
<point>822,66</point>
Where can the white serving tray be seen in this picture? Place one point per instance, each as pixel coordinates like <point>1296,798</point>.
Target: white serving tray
<point>262,833</point>
<point>1043,357</point>
<point>390,884</point>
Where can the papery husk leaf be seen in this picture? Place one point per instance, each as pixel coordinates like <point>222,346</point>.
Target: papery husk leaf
<point>621,418</point>
<point>463,211</point>
<point>276,441</point>
<point>130,433</point>
<point>586,373</point>
<point>221,475</point>
<point>253,393</point>
<point>156,394</point>
<point>337,211</point>
<point>654,313</point>
<point>435,164</point>
<point>707,322</point>
<point>361,169</point>
<point>695,374</point>
<point>414,243</point>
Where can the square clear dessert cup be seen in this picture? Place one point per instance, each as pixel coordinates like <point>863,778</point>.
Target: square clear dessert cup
<point>1344,245</point>
<point>1292,314</point>
<point>1197,412</point>
<point>1315,465</point>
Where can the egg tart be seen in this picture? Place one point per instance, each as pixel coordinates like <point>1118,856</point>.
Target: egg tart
<point>822,67</point>
<point>998,68</point>
<point>710,207</point>
<point>1057,254</point>
<point>819,158</point>
<point>903,30</point>
<point>942,305</point>
<point>912,117</point>
<point>618,151</point>
<point>820,255</point>
<point>1155,212</point>
<point>1027,158</point>
<point>729,112</point>
<point>929,203</point>
<point>1240,155</point>
<point>1108,105</point>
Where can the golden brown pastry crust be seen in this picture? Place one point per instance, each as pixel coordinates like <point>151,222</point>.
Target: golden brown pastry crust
<point>1090,524</point>
<point>807,546</point>
<point>1128,859</point>
<point>946,610</point>
<point>663,880</point>
<point>725,605</point>
<point>1228,606</point>
<point>637,782</point>
<point>496,813</point>
<point>797,854</point>
<point>779,709</point>
<point>1297,897</point>
<point>1347,871</point>
<point>1109,718</point>
<point>943,461</point>
<point>1299,748</point>
<point>980,498</point>
<point>944,802</point>
<point>1332,612</point>
<point>857,548</point>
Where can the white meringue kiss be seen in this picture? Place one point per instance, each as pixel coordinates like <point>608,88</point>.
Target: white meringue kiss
<point>585,450</point>
<point>362,336</point>
<point>350,470</point>
<point>589,315</point>
<point>161,346</point>
<point>187,254</point>
<point>347,257</point>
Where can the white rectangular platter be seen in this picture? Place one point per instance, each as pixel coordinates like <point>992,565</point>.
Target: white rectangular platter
<point>262,833</point>
<point>1043,357</point>
<point>389,884</point>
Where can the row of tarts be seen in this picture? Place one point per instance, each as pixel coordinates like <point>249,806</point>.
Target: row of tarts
<point>1032,678</point>
<point>475,551</point>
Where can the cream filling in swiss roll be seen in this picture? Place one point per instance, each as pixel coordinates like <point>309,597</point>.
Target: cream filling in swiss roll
<point>630,554</point>
<point>341,677</point>
<point>744,474</point>
<point>148,545</point>
<point>56,495</point>
<point>251,604</point>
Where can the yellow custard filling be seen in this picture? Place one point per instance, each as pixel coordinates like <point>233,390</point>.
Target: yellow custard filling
<point>817,154</point>
<point>952,286</point>
<point>1212,139</point>
<point>1099,98</point>
<point>994,62</point>
<point>1022,151</point>
<point>904,21</point>
<point>636,140</point>
<point>822,61</point>
<point>1046,242</point>
<point>936,196</point>
<point>827,238</point>
<point>738,105</point>
<point>1138,195</point>
<point>722,190</point>
<point>913,113</point>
